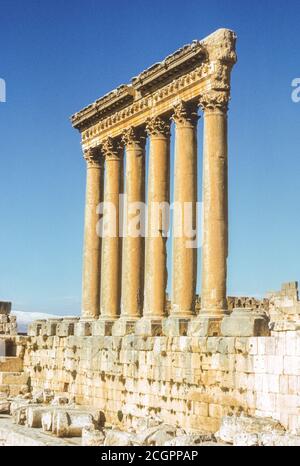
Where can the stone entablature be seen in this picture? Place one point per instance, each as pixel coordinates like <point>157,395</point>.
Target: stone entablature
<point>196,69</point>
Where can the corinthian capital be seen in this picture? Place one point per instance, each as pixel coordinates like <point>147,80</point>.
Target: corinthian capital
<point>111,149</point>
<point>214,100</point>
<point>93,157</point>
<point>133,137</point>
<point>158,126</point>
<point>185,113</point>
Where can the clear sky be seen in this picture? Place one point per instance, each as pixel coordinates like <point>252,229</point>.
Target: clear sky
<point>57,56</point>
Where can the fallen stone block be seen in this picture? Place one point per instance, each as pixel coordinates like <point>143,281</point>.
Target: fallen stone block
<point>15,378</point>
<point>46,420</point>
<point>246,440</point>
<point>92,437</point>
<point>231,426</point>
<point>4,406</point>
<point>156,435</point>
<point>10,364</point>
<point>34,416</point>
<point>191,439</point>
<point>118,438</point>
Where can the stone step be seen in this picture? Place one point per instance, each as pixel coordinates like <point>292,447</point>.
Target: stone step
<point>15,378</point>
<point>10,364</point>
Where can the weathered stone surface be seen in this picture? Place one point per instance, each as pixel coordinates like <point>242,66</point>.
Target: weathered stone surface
<point>156,435</point>
<point>117,438</point>
<point>234,429</point>
<point>190,439</point>
<point>4,405</point>
<point>245,323</point>
<point>92,437</point>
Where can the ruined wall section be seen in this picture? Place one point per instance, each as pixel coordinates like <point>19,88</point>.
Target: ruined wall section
<point>188,381</point>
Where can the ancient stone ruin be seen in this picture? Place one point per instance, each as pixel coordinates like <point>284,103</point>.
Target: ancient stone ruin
<point>138,368</point>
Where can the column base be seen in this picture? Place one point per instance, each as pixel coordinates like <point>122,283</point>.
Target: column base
<point>83,328</point>
<point>176,326</point>
<point>103,326</point>
<point>149,327</point>
<point>206,325</point>
<point>124,326</point>
<point>66,326</point>
<point>52,325</point>
<point>245,322</point>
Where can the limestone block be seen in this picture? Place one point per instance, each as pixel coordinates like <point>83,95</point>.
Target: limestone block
<point>156,435</point>
<point>203,423</point>
<point>60,399</point>
<point>34,416</point>
<point>149,327</point>
<point>10,364</point>
<point>191,440</point>
<point>233,425</point>
<point>291,365</point>
<point>245,322</point>
<point>175,326</point>
<point>46,419</point>
<point>204,326</point>
<point>19,412</point>
<point>124,326</point>
<point>4,405</point>
<point>102,327</point>
<point>92,437</point>
<point>117,438</point>
<point>246,440</point>
<point>60,423</point>
<point>51,326</point>
<point>77,422</point>
<point>3,320</point>
<point>16,378</point>
<point>276,439</point>
<point>5,307</point>
<point>2,348</point>
<point>83,328</point>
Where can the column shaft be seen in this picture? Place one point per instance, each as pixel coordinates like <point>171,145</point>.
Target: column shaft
<point>215,221</point>
<point>92,241</point>
<point>184,273</point>
<point>111,242</point>
<point>133,245</point>
<point>158,193</point>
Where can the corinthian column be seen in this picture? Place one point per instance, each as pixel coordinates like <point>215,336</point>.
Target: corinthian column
<point>158,130</point>
<point>215,211</point>
<point>132,295</point>
<point>184,274</point>
<point>111,241</point>
<point>92,241</point>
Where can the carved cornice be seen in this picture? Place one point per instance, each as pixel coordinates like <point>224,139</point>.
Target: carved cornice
<point>185,113</point>
<point>111,149</point>
<point>214,100</point>
<point>147,103</point>
<point>158,126</point>
<point>201,66</point>
<point>133,137</point>
<point>93,157</point>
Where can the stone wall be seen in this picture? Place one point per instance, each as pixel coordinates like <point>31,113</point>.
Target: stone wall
<point>188,381</point>
<point>8,323</point>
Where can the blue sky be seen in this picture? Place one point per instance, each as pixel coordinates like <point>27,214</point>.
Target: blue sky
<point>58,56</point>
